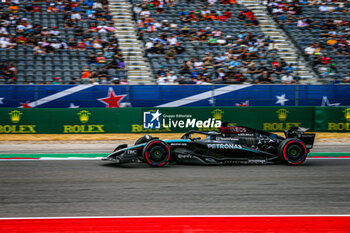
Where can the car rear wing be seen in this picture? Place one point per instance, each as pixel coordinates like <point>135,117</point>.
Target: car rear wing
<point>299,132</point>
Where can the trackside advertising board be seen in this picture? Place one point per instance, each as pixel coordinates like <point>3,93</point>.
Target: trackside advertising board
<point>210,118</point>
<point>168,120</point>
<point>332,119</point>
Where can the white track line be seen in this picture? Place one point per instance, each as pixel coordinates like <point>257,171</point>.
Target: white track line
<point>100,158</point>
<point>183,216</point>
<point>52,159</point>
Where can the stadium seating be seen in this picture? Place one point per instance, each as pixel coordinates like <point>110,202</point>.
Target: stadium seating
<point>309,27</point>
<point>231,27</point>
<point>40,65</point>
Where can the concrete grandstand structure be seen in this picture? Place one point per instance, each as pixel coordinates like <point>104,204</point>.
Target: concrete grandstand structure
<point>165,42</point>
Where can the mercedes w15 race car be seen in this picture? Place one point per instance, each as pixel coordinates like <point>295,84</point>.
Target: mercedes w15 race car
<point>232,145</point>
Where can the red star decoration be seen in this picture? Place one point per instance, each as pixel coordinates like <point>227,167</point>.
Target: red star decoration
<point>26,105</point>
<point>243,104</point>
<point>112,100</point>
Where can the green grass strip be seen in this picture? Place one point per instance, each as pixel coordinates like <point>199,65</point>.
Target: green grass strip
<point>92,155</point>
<point>328,154</point>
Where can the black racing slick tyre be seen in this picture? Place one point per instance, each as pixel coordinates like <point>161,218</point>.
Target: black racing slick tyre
<point>292,151</point>
<point>156,153</point>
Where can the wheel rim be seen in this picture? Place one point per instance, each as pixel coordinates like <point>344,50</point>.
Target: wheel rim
<point>157,154</point>
<point>294,152</point>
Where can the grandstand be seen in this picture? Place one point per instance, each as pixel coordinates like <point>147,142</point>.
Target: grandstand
<point>321,30</point>
<point>168,42</point>
<point>52,42</point>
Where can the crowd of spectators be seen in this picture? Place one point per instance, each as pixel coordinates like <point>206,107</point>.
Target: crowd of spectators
<point>81,25</point>
<point>8,73</point>
<point>230,72</point>
<point>210,54</point>
<point>321,29</point>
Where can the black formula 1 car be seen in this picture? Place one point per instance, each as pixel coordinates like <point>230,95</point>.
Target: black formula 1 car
<point>233,145</point>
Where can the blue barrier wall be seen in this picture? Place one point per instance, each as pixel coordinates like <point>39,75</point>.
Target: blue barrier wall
<point>64,96</point>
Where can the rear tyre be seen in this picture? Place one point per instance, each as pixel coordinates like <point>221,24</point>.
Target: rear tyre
<point>292,151</point>
<point>156,153</point>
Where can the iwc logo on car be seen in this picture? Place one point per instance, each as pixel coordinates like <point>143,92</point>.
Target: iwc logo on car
<point>84,117</point>
<point>15,117</point>
<point>342,126</point>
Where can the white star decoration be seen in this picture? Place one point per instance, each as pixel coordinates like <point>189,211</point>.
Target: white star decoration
<point>1,99</point>
<point>325,102</point>
<point>281,99</point>
<point>156,115</point>
<point>73,106</point>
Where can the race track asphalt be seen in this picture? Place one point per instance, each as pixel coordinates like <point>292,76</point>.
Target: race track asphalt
<point>96,147</point>
<point>97,188</point>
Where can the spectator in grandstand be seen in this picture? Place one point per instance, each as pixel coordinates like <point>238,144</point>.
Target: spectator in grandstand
<point>85,74</point>
<point>277,70</point>
<point>346,79</point>
<point>39,50</point>
<point>288,68</point>
<point>124,81</point>
<point>72,44</point>
<point>198,63</point>
<point>288,79</point>
<point>171,77</point>
<point>302,23</point>
<point>94,73</point>
<point>97,44</point>
<point>100,59</point>
<point>158,48</point>
<point>52,8</point>
<point>263,78</point>
<point>163,81</point>
<point>74,81</point>
<point>310,50</point>
<point>212,2</point>
<point>13,8</point>
<point>184,68</point>
<point>160,73</point>
<point>58,44</point>
<point>121,64</point>
<point>56,81</point>
<point>325,59</point>
<point>180,49</point>
<point>108,53</point>
<point>103,73</point>
<point>76,16</point>
<point>326,8</point>
<point>332,70</point>
<point>7,43</point>
<point>323,70</point>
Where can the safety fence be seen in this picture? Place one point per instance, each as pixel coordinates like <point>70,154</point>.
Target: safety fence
<point>169,120</point>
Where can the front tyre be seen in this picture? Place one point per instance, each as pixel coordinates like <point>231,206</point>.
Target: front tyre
<point>156,153</point>
<point>292,151</point>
